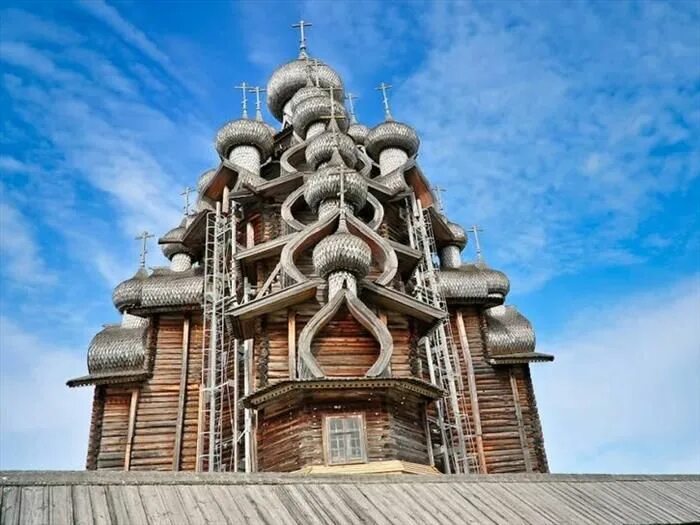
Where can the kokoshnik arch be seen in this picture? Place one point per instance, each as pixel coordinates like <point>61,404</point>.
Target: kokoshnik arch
<point>316,314</point>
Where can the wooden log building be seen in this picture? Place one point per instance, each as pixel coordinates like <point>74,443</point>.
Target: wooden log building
<point>304,323</point>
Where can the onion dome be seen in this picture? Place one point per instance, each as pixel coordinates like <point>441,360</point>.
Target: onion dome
<point>204,180</point>
<point>509,332</point>
<point>167,288</point>
<point>127,294</point>
<point>497,281</point>
<point>118,349</point>
<point>342,252</point>
<point>391,134</point>
<point>316,109</point>
<point>321,148</point>
<point>466,285</point>
<point>308,91</point>
<point>293,76</point>
<point>171,242</point>
<point>459,235</point>
<point>358,132</point>
<point>245,132</point>
<point>325,184</point>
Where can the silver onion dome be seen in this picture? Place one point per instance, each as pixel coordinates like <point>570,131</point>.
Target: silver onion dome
<point>321,148</point>
<point>127,294</point>
<point>325,184</point>
<point>291,77</point>
<point>391,134</point>
<point>118,349</point>
<point>171,242</point>
<point>497,281</point>
<point>342,252</point>
<point>308,91</point>
<point>459,235</point>
<point>509,332</point>
<point>317,109</point>
<point>245,132</point>
<point>358,132</point>
<point>466,285</point>
<point>204,180</point>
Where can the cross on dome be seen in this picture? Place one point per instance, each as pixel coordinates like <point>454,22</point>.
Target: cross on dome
<point>186,193</point>
<point>244,103</point>
<point>475,231</point>
<point>258,105</point>
<point>143,237</point>
<point>302,37</point>
<point>383,87</point>
<point>350,97</point>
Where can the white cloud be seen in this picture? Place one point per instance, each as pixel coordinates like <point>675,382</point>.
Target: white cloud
<point>44,424</point>
<point>623,394</point>
<point>22,259</point>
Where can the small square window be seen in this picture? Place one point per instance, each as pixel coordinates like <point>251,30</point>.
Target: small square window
<point>345,439</point>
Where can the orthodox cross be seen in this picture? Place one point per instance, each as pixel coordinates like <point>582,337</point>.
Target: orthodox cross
<point>186,193</point>
<point>332,116</point>
<point>258,106</point>
<point>144,246</point>
<point>314,66</point>
<point>244,91</point>
<point>438,197</point>
<point>350,97</point>
<point>385,100</point>
<point>302,36</point>
<point>475,230</point>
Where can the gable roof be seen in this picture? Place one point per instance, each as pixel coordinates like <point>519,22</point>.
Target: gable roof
<point>179,498</point>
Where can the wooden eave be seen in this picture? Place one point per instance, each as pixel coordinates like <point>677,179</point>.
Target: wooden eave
<point>109,378</point>
<point>441,231</point>
<point>263,250</point>
<point>287,388</point>
<point>520,358</point>
<point>243,315</point>
<point>402,303</point>
<point>225,176</point>
<point>196,233</point>
<point>408,258</point>
<point>144,311</point>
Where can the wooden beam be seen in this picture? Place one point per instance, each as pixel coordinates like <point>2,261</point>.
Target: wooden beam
<point>182,399</point>
<point>292,342</point>
<point>473,396</point>
<point>130,431</point>
<point>519,416</point>
<point>200,425</point>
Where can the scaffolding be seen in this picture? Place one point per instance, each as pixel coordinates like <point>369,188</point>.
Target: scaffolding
<point>224,358</point>
<point>451,424</point>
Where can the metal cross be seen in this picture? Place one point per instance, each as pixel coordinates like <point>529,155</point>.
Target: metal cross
<point>438,197</point>
<point>350,97</point>
<point>383,88</point>
<point>314,65</point>
<point>144,246</point>
<point>475,230</point>
<point>302,36</point>
<point>258,106</point>
<point>244,91</point>
<point>186,193</point>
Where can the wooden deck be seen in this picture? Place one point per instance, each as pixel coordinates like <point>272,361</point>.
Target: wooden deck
<point>155,498</point>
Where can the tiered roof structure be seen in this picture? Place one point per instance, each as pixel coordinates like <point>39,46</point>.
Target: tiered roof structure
<point>307,318</point>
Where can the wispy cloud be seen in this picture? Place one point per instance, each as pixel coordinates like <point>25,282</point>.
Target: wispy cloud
<point>560,142</point>
<point>22,260</point>
<point>623,394</point>
<point>44,424</point>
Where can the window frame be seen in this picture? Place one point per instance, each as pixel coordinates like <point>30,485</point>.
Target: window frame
<point>327,419</point>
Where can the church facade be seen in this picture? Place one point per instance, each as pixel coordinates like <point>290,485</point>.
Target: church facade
<point>316,314</point>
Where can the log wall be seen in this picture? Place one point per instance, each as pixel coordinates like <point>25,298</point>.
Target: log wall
<point>505,450</point>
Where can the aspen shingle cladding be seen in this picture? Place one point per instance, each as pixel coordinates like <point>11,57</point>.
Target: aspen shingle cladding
<point>537,499</point>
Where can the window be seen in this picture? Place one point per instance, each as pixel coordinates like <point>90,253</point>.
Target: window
<point>345,439</point>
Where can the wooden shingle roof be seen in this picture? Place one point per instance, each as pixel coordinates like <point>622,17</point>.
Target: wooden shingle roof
<point>181,498</point>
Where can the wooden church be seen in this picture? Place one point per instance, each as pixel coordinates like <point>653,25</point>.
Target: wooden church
<point>316,315</point>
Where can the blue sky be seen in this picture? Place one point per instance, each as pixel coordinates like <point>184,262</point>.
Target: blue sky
<point>569,131</point>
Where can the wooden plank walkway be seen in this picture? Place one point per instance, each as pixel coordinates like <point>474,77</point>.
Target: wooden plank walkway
<point>189,498</point>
